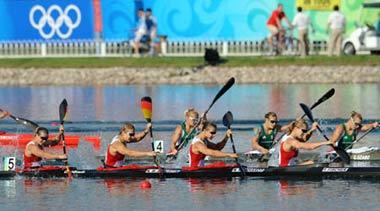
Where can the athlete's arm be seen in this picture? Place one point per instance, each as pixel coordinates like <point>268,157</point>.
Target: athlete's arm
<point>337,134</point>
<point>201,148</point>
<point>54,141</point>
<point>35,150</point>
<point>307,146</point>
<point>132,153</point>
<point>222,143</point>
<point>176,136</point>
<point>140,136</point>
<point>369,126</point>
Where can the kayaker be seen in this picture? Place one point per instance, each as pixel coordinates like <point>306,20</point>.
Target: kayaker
<point>266,135</point>
<point>185,131</point>
<point>290,143</point>
<point>201,146</point>
<point>345,134</point>
<point>118,149</point>
<point>34,150</point>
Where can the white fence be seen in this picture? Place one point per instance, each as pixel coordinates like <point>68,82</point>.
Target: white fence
<point>91,48</point>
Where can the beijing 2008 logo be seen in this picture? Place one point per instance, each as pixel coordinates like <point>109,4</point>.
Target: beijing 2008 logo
<point>45,18</point>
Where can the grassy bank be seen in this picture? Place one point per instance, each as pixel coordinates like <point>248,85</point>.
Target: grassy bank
<point>176,62</point>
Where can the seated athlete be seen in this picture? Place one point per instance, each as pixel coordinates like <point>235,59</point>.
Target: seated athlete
<point>201,146</point>
<point>34,150</point>
<point>118,149</point>
<point>291,143</point>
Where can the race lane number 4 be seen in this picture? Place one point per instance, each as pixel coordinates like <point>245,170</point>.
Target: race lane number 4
<point>9,163</point>
<point>158,146</point>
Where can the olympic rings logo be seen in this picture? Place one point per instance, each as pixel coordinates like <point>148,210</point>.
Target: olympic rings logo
<point>55,24</point>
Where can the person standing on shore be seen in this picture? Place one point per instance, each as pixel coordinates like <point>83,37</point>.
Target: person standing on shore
<point>139,32</point>
<point>336,23</point>
<point>302,22</point>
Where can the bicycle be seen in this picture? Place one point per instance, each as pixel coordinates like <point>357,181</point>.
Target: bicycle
<point>290,45</point>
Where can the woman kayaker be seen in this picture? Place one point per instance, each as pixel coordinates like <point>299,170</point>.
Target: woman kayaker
<point>34,150</point>
<point>118,149</point>
<point>345,134</point>
<point>266,135</point>
<point>290,143</point>
<point>201,146</point>
<point>186,131</point>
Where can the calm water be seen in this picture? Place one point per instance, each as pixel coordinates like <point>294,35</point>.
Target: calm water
<point>101,111</point>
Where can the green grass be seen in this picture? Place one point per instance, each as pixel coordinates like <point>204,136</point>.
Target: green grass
<point>175,62</point>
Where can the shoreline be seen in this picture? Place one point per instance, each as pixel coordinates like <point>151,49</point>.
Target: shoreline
<point>289,74</point>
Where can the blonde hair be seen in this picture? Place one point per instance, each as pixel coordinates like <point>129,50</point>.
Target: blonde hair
<point>356,114</point>
<point>126,127</point>
<point>270,114</point>
<point>298,123</point>
<point>190,111</point>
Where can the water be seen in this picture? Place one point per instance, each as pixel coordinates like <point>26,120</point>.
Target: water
<point>102,110</point>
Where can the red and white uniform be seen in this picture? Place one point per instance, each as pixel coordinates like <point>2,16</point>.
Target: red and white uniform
<point>286,158</point>
<point>196,160</point>
<point>114,160</point>
<point>32,161</point>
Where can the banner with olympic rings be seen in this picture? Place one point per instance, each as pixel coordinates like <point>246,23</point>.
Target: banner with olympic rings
<point>46,20</point>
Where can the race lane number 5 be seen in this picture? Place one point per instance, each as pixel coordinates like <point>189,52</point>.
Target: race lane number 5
<point>9,163</point>
<point>158,146</point>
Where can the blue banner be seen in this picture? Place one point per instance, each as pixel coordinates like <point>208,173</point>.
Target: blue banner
<point>46,19</point>
<point>119,18</point>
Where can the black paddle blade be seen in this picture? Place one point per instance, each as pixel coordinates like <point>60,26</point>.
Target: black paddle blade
<point>25,122</point>
<point>224,89</point>
<point>62,110</point>
<point>307,111</point>
<point>325,97</point>
<point>228,119</point>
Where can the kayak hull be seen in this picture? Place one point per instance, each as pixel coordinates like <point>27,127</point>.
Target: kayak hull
<point>229,171</point>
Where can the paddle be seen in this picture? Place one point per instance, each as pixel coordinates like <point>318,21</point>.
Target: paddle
<point>62,114</point>
<point>221,92</point>
<point>322,99</point>
<point>147,110</point>
<point>341,152</point>
<point>24,122</point>
<point>361,137</point>
<point>227,121</point>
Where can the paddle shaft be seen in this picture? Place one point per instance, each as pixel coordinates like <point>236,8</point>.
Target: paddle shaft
<point>223,90</point>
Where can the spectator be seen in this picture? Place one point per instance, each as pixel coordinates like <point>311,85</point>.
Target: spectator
<point>275,27</point>
<point>151,25</point>
<point>139,32</point>
<point>302,22</point>
<point>336,23</point>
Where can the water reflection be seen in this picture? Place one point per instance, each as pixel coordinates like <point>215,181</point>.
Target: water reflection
<point>120,103</point>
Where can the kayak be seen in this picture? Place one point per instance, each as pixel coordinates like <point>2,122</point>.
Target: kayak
<point>218,170</point>
<point>356,154</point>
<point>20,140</point>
